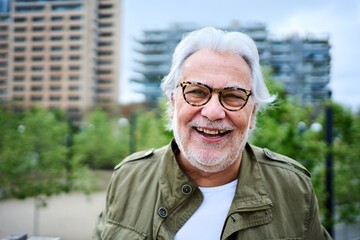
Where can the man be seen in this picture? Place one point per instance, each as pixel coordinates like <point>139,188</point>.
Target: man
<point>209,183</point>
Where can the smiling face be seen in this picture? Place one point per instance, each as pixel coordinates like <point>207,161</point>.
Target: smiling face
<point>210,137</point>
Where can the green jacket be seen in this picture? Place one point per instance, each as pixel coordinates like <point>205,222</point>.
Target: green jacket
<point>149,197</point>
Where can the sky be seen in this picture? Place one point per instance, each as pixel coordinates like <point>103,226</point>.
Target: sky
<point>338,18</point>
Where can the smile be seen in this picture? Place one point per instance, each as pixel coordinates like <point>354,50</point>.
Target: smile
<point>211,133</point>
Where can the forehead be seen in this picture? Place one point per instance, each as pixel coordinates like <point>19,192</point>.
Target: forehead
<point>217,69</point>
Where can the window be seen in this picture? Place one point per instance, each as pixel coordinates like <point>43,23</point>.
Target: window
<point>19,39</point>
<point>75,28</point>
<point>102,16</point>
<point>3,73</point>
<point>105,43</point>
<point>55,98</point>
<point>104,72</point>
<point>103,91</point>
<point>38,29</point>
<point>106,6</point>
<point>37,49</point>
<point>38,19</point>
<point>3,37</point>
<point>36,68</point>
<point>75,17</point>
<point>56,18</point>
<point>74,78</point>
<point>37,59</point>
<point>29,9</point>
<point>36,78</point>
<point>19,49</point>
<point>3,28</point>
<point>3,64</point>
<point>74,88</point>
<point>106,34</point>
<point>105,53</point>
<point>73,48</point>
<point>56,48</point>
<point>20,19</point>
<point>74,98</point>
<point>105,25</point>
<point>19,79</point>
<point>3,46</point>
<point>55,78</point>
<point>56,28</point>
<point>56,58</point>
<point>55,68</point>
<point>20,29</point>
<point>56,38</point>
<point>67,7</point>
<point>36,98</point>
<point>74,68</point>
<point>18,88</point>
<point>55,88</point>
<point>36,88</point>
<point>75,38</point>
<point>18,98</point>
<point>19,69</point>
<point>74,58</point>
<point>37,39</point>
<point>19,59</point>
<point>104,81</point>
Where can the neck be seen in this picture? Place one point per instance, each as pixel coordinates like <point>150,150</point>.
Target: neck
<point>208,179</point>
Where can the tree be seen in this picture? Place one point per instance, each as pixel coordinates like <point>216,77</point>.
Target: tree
<point>33,157</point>
<point>290,129</point>
<point>101,142</point>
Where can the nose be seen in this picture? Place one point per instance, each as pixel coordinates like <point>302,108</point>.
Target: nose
<point>213,109</point>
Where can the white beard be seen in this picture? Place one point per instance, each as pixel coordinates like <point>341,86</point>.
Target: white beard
<point>201,158</point>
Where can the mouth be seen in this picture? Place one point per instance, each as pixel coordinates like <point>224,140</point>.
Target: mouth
<point>211,133</point>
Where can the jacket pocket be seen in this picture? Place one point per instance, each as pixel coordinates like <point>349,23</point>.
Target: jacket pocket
<point>115,231</point>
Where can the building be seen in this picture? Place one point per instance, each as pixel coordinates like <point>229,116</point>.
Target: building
<point>302,64</point>
<point>60,54</point>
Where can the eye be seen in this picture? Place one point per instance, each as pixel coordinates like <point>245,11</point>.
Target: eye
<point>233,95</point>
<point>196,91</point>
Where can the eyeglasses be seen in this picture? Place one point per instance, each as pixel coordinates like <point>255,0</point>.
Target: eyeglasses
<point>231,98</point>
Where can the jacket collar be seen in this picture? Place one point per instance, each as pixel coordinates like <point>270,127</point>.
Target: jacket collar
<point>250,191</point>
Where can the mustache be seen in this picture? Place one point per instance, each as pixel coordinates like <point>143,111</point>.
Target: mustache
<point>217,124</point>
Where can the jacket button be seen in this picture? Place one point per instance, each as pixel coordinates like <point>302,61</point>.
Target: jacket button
<point>186,189</point>
<point>269,154</point>
<point>162,212</point>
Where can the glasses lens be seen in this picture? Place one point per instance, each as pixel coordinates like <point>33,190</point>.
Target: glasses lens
<point>233,99</point>
<point>196,94</point>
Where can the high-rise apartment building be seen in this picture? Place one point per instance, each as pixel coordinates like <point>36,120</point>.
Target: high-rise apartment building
<point>301,63</point>
<point>60,54</point>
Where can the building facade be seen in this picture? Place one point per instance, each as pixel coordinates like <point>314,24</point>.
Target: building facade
<point>302,64</point>
<point>60,54</point>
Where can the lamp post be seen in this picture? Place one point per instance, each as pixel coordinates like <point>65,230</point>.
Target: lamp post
<point>329,169</point>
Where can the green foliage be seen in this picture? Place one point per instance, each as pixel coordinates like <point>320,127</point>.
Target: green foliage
<point>150,131</point>
<point>101,142</point>
<point>33,157</point>
<point>287,128</point>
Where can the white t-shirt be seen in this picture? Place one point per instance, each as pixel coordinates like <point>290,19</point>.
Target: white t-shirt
<point>208,220</point>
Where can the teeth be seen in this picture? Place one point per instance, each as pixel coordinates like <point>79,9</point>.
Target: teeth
<point>207,131</point>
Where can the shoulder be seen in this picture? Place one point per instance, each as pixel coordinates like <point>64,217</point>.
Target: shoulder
<point>272,159</point>
<point>141,157</point>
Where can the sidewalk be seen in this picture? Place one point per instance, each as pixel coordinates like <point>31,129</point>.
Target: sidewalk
<point>68,216</point>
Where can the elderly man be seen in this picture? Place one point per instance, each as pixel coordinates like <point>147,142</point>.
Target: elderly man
<point>209,183</point>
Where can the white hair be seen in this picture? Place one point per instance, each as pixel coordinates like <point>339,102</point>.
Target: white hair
<point>219,41</point>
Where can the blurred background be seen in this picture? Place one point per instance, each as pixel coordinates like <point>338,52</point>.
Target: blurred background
<point>79,91</point>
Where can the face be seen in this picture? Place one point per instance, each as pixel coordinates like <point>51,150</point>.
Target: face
<point>210,137</point>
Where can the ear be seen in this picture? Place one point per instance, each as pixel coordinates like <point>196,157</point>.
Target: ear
<point>252,118</point>
<point>172,102</point>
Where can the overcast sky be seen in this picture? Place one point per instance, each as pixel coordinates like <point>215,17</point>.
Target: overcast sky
<point>339,18</point>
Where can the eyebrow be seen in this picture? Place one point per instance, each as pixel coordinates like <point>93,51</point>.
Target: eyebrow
<point>227,86</point>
